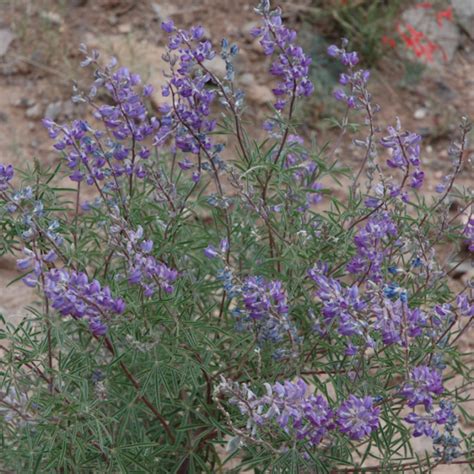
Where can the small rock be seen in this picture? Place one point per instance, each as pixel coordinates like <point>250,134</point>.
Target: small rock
<point>6,37</point>
<point>247,79</point>
<point>52,17</point>
<point>113,20</point>
<point>420,114</point>
<point>34,112</point>
<point>68,109</point>
<point>23,103</point>
<point>216,66</point>
<point>3,117</point>
<point>260,94</point>
<point>163,12</point>
<point>125,28</point>
<point>53,110</point>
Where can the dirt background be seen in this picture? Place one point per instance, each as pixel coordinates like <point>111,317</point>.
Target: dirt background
<point>39,59</point>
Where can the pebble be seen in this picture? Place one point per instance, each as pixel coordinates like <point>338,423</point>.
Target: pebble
<point>247,79</point>
<point>420,114</point>
<point>6,37</point>
<point>125,28</point>
<point>216,66</point>
<point>52,17</point>
<point>53,110</point>
<point>260,94</point>
<point>34,112</point>
<point>23,103</point>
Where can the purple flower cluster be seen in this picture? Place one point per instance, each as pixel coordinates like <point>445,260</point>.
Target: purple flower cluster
<point>97,155</point>
<point>424,383</point>
<point>306,417</point>
<point>405,154</point>
<point>469,233</point>
<point>358,417</point>
<point>305,170</point>
<point>127,116</point>
<point>371,242</point>
<point>355,80</point>
<point>291,65</point>
<point>395,319</point>
<point>71,294</point>
<point>425,424</point>
<point>265,310</point>
<point>188,118</point>
<point>212,252</point>
<point>143,268</point>
<point>37,263</point>
<point>342,306</point>
<point>262,298</point>
<point>6,175</point>
<point>465,305</point>
<point>309,417</point>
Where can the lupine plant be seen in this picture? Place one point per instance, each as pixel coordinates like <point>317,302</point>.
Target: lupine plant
<point>198,305</point>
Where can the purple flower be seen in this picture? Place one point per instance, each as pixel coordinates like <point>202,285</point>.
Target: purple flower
<point>35,262</point>
<point>188,121</point>
<point>168,26</point>
<point>210,252</point>
<point>71,294</point>
<point>262,298</point>
<point>6,175</point>
<point>291,65</point>
<point>287,405</point>
<point>465,305</point>
<point>357,417</point>
<point>265,309</point>
<point>423,384</point>
<point>333,51</point>
<point>143,268</point>
<point>469,233</point>
<point>341,306</point>
<point>405,150</point>
<point>371,243</point>
<point>426,424</point>
<point>98,157</point>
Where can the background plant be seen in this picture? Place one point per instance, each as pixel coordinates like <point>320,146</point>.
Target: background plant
<point>199,300</point>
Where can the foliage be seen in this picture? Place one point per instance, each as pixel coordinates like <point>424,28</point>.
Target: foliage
<point>203,299</point>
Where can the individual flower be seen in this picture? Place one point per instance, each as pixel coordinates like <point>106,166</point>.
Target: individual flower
<point>211,252</point>
<point>358,417</point>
